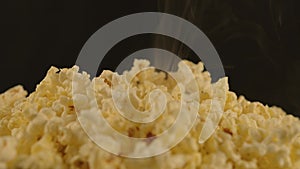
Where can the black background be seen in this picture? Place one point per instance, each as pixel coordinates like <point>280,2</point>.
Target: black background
<point>258,40</point>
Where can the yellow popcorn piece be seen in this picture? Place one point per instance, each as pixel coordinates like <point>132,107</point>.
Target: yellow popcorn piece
<point>42,130</point>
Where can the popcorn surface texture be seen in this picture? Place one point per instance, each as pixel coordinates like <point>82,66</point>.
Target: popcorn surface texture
<point>41,131</point>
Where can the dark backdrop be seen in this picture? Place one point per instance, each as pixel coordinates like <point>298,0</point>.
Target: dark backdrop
<point>257,40</point>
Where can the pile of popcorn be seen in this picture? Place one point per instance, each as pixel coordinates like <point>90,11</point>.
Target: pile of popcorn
<point>41,131</point>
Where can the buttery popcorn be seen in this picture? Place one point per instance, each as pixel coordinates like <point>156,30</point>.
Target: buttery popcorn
<point>42,130</point>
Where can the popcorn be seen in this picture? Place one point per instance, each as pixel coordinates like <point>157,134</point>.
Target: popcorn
<point>42,130</point>
<point>8,148</point>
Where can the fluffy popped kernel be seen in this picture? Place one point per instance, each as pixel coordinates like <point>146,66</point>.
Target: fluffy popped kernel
<point>42,130</point>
